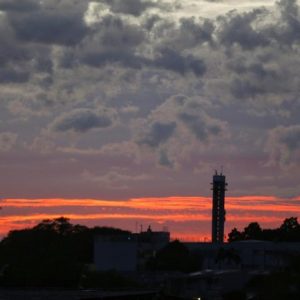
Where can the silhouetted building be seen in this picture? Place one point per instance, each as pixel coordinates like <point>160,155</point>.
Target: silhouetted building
<point>130,252</point>
<point>218,211</point>
<point>245,255</point>
<point>115,253</point>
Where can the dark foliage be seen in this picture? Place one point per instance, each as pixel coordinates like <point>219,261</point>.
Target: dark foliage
<point>228,255</point>
<point>235,295</point>
<point>289,231</point>
<point>174,257</point>
<point>109,280</point>
<point>278,285</point>
<point>52,253</point>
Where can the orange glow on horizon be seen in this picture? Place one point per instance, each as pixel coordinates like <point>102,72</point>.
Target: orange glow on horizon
<point>180,214</point>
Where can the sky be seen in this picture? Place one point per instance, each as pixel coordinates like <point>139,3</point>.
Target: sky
<point>125,106</point>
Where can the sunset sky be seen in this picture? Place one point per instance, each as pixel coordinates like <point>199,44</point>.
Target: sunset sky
<point>117,112</point>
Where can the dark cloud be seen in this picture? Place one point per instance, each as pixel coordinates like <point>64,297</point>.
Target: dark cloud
<point>164,159</point>
<point>49,21</point>
<point>19,6</point>
<point>115,32</point>
<point>97,59</point>
<point>10,75</point>
<point>283,143</point>
<point>157,134</point>
<point>288,30</point>
<point>44,64</point>
<point>240,66</point>
<point>7,141</point>
<point>113,40</point>
<point>290,137</point>
<point>195,33</point>
<point>257,76</point>
<point>166,60</point>
<point>130,7</point>
<point>174,61</point>
<point>244,88</point>
<point>150,21</point>
<point>200,126</point>
<point>50,27</point>
<point>81,120</point>
<point>10,49</point>
<point>185,115</point>
<point>239,29</point>
<point>180,35</point>
<point>116,41</point>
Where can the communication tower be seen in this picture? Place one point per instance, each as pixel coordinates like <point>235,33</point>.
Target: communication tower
<point>218,208</point>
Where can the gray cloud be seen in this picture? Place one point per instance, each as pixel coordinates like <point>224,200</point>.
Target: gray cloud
<point>258,69</point>
<point>157,134</point>
<point>241,88</point>
<point>114,32</point>
<point>164,159</point>
<point>112,41</point>
<point>9,75</point>
<point>178,120</point>
<point>62,60</point>
<point>50,27</point>
<point>201,126</point>
<point>130,7</point>
<point>19,6</point>
<point>283,143</point>
<point>238,29</point>
<point>7,141</point>
<point>49,22</point>
<point>116,41</point>
<point>187,33</point>
<point>81,120</point>
<point>10,49</point>
<point>174,61</point>
<point>288,31</point>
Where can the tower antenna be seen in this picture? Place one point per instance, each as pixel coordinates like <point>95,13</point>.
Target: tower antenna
<point>219,186</point>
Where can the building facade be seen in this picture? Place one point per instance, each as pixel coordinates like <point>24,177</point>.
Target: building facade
<point>128,253</point>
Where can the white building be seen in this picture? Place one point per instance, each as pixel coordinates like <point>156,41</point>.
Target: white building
<point>127,253</point>
<point>115,253</point>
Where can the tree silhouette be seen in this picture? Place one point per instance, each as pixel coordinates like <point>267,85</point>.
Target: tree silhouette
<point>235,235</point>
<point>253,232</point>
<point>289,231</point>
<point>174,257</point>
<point>52,253</point>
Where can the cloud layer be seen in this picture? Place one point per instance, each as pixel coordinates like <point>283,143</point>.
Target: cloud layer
<point>122,99</point>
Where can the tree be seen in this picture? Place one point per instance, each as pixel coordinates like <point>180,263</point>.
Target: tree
<point>235,235</point>
<point>290,224</point>
<point>289,231</point>
<point>253,231</point>
<point>173,257</point>
<point>52,253</point>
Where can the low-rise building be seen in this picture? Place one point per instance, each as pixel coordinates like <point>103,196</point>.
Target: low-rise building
<point>127,253</point>
<point>249,254</point>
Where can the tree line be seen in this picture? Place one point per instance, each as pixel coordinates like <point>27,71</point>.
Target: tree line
<point>288,231</point>
<point>52,253</point>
